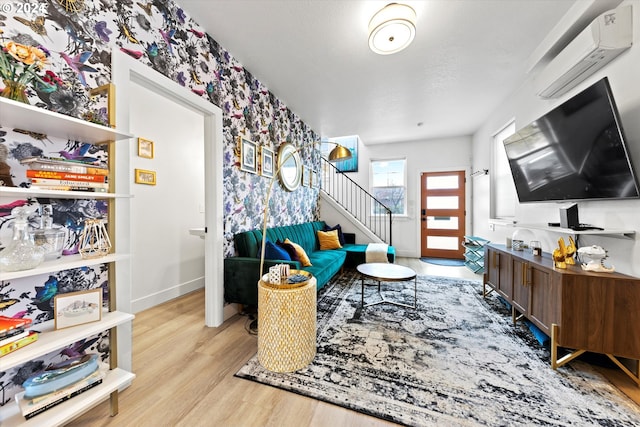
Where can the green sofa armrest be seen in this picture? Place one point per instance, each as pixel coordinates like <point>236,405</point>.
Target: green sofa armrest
<point>241,276</point>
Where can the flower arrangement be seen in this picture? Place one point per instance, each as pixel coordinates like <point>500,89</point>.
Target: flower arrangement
<point>18,66</point>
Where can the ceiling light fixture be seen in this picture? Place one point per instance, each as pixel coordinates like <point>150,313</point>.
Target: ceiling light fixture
<point>392,29</point>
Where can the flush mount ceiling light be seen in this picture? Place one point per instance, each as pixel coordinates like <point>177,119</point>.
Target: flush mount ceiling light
<point>392,29</point>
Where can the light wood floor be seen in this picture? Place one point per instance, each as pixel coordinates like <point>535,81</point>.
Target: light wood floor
<point>185,374</point>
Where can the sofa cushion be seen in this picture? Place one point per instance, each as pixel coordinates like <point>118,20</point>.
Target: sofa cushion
<point>293,254</point>
<point>328,240</point>
<point>302,254</point>
<point>338,228</point>
<point>273,251</point>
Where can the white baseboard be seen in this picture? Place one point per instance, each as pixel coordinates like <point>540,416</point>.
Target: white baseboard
<point>165,295</point>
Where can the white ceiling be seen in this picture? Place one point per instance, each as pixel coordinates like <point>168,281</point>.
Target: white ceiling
<point>467,57</point>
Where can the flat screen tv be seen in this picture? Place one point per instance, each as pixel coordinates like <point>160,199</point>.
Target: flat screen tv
<point>577,151</point>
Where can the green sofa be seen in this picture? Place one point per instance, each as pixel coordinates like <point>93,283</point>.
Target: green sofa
<point>241,272</point>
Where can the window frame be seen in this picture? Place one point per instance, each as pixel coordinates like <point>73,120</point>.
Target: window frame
<point>404,183</point>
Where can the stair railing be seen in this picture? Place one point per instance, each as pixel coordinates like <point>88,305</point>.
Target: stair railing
<point>368,210</point>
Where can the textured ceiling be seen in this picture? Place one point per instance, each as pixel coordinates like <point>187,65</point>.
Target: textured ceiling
<point>468,56</point>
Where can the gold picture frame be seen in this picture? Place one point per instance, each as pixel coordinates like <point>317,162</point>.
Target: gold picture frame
<point>145,148</point>
<point>77,308</point>
<point>109,91</point>
<point>248,155</point>
<point>145,177</point>
<point>267,162</point>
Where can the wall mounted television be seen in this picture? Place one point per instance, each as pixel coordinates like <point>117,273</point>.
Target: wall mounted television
<point>577,151</point>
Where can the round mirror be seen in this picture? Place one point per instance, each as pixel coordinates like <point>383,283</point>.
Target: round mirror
<point>290,166</point>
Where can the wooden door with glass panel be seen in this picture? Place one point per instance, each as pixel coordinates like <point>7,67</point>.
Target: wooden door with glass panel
<point>442,214</point>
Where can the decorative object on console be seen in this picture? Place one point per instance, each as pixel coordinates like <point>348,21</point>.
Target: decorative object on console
<point>563,254</point>
<point>597,255</point>
<point>94,240</point>
<point>22,252</point>
<point>519,237</point>
<point>248,155</point>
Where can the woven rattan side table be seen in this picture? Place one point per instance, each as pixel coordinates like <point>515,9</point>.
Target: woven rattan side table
<point>286,326</point>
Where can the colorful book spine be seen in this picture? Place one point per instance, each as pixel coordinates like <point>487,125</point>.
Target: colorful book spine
<point>39,163</point>
<point>80,177</point>
<point>13,346</point>
<point>13,338</point>
<point>68,188</point>
<point>67,182</point>
<point>9,324</point>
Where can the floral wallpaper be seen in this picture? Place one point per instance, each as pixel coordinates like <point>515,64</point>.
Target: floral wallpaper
<point>65,48</point>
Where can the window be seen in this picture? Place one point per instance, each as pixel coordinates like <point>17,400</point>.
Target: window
<point>388,185</point>
<point>503,191</point>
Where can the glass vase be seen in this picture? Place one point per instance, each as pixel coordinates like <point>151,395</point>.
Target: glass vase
<point>22,252</point>
<point>14,90</point>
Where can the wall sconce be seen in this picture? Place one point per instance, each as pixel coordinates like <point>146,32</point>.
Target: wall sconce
<point>392,29</point>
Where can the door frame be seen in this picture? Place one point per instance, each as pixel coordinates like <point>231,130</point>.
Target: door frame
<point>126,70</point>
<point>467,201</point>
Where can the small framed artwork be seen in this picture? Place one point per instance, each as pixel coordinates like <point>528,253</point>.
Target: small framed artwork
<point>306,176</point>
<point>145,148</point>
<point>248,155</point>
<point>315,179</point>
<point>77,308</point>
<point>145,177</point>
<point>266,162</point>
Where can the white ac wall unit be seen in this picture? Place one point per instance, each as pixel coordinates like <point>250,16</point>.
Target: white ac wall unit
<point>606,37</point>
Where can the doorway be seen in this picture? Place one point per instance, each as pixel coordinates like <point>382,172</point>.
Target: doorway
<point>442,209</point>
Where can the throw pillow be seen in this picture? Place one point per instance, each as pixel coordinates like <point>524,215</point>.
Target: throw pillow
<point>304,259</point>
<point>273,251</point>
<point>328,240</point>
<point>339,229</point>
<point>290,250</point>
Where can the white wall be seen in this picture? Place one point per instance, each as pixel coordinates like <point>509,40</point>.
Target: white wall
<point>525,106</point>
<point>421,156</point>
<point>166,260</point>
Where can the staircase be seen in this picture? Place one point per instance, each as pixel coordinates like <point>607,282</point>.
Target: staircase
<point>358,202</point>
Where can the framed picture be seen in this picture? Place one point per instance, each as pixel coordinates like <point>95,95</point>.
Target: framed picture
<point>315,179</point>
<point>248,155</point>
<point>349,142</point>
<point>77,308</point>
<point>266,162</point>
<point>145,148</point>
<point>145,177</point>
<point>306,176</point>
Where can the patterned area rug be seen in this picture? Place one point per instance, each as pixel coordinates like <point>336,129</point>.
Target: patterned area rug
<point>455,361</point>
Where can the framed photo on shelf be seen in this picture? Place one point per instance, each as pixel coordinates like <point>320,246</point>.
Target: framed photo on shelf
<point>266,162</point>
<point>145,177</point>
<point>248,155</point>
<point>77,308</point>
<point>145,148</point>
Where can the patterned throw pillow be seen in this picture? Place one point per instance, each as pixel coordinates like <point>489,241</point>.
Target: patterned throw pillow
<point>304,259</point>
<point>328,240</point>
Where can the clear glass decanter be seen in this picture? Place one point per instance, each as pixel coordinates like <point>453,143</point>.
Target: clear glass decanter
<point>21,253</point>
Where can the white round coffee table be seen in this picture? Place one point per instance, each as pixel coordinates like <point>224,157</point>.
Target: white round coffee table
<point>383,272</point>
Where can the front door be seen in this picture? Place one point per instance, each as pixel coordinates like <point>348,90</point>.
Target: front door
<point>443,214</point>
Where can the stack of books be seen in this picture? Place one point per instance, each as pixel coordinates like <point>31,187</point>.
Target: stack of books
<point>47,173</point>
<point>59,384</point>
<point>15,334</point>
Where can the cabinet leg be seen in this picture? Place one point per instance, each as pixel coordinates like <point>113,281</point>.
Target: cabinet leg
<point>555,362</point>
<point>635,377</point>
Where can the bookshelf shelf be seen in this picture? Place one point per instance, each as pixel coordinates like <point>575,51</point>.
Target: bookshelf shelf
<point>64,263</point>
<point>59,194</point>
<point>23,116</point>
<point>65,412</point>
<point>49,339</point>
